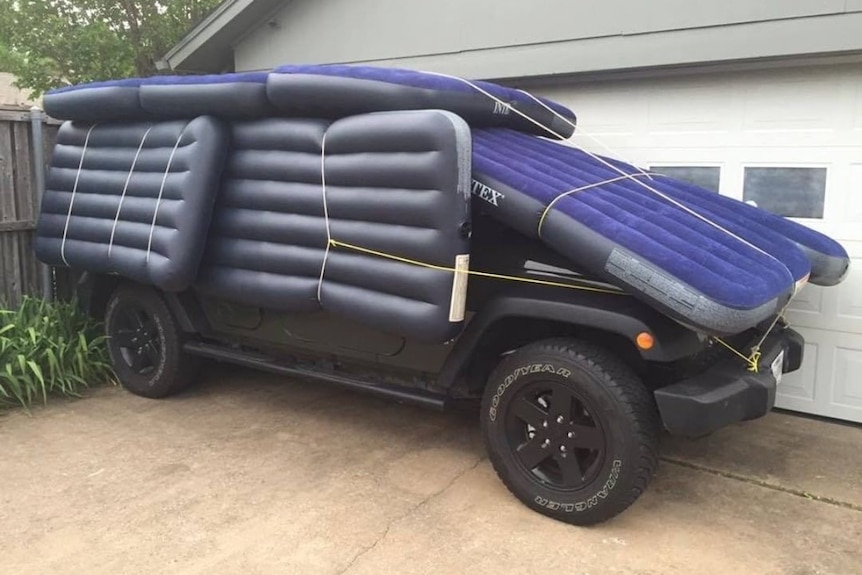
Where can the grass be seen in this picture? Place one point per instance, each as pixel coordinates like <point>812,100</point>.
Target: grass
<point>49,349</point>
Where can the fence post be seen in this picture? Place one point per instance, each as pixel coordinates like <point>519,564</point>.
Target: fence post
<point>38,159</point>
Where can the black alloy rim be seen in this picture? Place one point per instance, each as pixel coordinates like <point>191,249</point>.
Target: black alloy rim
<point>554,436</point>
<point>136,337</point>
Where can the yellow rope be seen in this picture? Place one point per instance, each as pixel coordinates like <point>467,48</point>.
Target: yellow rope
<point>337,243</point>
<point>751,360</point>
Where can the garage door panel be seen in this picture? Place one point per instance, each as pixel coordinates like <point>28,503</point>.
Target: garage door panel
<point>846,383</point>
<point>797,389</point>
<point>798,109</point>
<point>850,292</point>
<point>853,203</point>
<point>837,308</point>
<point>826,385</point>
<point>701,109</point>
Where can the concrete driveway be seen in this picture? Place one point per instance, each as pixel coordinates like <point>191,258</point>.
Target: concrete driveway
<point>251,474</point>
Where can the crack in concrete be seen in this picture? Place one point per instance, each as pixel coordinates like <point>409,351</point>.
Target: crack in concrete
<point>406,514</point>
<point>765,484</point>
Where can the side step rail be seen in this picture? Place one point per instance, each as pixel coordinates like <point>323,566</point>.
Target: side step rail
<point>263,363</point>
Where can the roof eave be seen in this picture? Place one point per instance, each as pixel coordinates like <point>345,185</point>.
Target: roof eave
<point>207,47</point>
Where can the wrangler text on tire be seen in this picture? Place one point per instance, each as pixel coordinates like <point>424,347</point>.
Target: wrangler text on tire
<point>570,430</point>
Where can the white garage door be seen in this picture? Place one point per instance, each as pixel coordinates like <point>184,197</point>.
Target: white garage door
<point>789,139</point>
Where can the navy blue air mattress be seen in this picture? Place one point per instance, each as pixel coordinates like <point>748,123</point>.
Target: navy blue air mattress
<point>339,91</point>
<point>713,263</point>
<point>396,183</point>
<point>133,199</point>
<point>229,96</point>
<point>330,92</point>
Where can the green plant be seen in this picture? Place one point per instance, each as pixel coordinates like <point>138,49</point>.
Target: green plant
<point>49,348</point>
<point>53,43</point>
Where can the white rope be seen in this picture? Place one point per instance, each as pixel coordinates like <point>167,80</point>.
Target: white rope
<point>325,216</point>
<point>161,191</point>
<point>532,120</point>
<point>574,191</point>
<point>633,177</point>
<point>579,130</point>
<point>74,193</point>
<point>125,189</point>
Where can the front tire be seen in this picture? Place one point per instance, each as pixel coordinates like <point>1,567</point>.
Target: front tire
<point>570,430</point>
<point>145,344</point>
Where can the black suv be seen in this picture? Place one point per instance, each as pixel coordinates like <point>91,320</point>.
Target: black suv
<point>574,385</point>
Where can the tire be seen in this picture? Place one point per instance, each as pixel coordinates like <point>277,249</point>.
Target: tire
<point>571,430</point>
<point>145,345</point>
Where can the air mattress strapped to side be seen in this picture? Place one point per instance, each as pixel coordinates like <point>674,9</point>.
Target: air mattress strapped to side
<point>113,100</point>
<point>317,91</point>
<point>132,199</point>
<point>395,183</point>
<point>229,96</point>
<point>338,91</point>
<point>712,276</point>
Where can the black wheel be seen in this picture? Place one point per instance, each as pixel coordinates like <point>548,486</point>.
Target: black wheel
<point>570,430</point>
<point>145,344</point>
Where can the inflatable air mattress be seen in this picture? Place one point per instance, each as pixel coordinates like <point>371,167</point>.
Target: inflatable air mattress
<point>396,183</point>
<point>114,100</point>
<point>339,91</point>
<point>230,96</point>
<point>711,262</point>
<point>828,259</point>
<point>330,92</point>
<point>132,199</point>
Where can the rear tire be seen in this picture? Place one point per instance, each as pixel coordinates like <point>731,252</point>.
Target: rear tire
<point>570,430</point>
<point>145,344</point>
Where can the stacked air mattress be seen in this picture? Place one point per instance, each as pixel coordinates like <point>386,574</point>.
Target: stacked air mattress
<point>134,199</point>
<point>304,202</point>
<point>345,188</point>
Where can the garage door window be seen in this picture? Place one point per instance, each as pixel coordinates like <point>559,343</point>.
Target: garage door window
<point>790,192</point>
<point>704,176</point>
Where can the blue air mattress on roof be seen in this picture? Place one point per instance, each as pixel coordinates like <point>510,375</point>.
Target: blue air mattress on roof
<point>711,262</point>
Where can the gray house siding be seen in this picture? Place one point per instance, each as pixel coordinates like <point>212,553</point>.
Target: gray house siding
<point>513,38</point>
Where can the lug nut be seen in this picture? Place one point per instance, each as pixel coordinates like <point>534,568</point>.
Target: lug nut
<point>544,424</point>
<point>571,434</point>
<point>559,419</point>
<point>563,448</point>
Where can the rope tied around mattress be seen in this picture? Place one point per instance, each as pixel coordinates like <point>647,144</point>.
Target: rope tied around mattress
<point>570,144</point>
<point>547,209</point>
<point>74,193</point>
<point>753,359</point>
<point>325,216</point>
<point>125,189</point>
<point>339,244</point>
<point>161,191</point>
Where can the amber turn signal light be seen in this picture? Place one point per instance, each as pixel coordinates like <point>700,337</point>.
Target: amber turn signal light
<point>645,340</point>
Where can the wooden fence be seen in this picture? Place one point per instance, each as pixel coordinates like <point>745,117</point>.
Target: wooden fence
<point>19,206</point>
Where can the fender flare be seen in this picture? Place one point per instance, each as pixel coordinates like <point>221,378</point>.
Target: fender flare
<point>619,315</point>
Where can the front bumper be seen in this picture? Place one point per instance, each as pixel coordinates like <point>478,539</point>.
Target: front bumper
<point>727,392</point>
